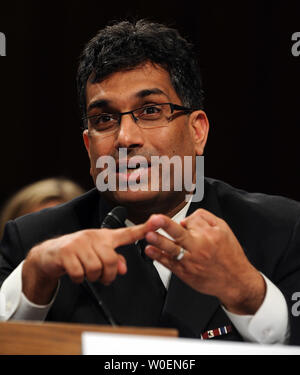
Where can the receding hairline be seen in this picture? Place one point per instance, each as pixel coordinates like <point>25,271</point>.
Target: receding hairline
<point>151,90</point>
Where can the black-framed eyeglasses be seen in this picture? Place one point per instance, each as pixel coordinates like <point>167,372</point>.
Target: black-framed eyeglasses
<point>148,116</point>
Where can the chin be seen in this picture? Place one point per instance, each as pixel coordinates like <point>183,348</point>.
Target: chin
<point>127,197</point>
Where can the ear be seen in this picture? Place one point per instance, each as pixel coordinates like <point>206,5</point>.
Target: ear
<point>199,127</point>
<point>86,141</point>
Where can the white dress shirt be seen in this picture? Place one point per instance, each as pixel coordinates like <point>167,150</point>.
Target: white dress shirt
<point>267,326</point>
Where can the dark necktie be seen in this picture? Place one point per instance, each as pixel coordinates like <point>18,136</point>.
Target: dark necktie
<point>149,262</point>
<point>141,245</point>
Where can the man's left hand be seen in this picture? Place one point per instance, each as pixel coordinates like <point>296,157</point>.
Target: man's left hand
<point>213,263</point>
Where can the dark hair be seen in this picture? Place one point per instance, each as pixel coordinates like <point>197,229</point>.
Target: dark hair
<point>125,45</point>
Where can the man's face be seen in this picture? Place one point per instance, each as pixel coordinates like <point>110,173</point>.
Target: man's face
<point>127,90</point>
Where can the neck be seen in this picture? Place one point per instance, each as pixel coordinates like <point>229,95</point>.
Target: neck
<point>139,212</point>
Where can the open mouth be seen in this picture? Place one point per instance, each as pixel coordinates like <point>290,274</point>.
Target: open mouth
<point>132,172</point>
<point>132,165</point>
<point>137,168</point>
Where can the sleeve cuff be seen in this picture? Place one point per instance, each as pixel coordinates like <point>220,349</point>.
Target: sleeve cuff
<point>269,325</point>
<point>15,305</point>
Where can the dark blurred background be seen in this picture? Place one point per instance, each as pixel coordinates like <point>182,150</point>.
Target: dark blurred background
<point>251,80</point>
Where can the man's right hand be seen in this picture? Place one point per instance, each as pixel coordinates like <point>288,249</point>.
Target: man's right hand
<point>86,254</point>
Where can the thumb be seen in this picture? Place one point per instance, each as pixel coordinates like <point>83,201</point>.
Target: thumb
<point>122,266</point>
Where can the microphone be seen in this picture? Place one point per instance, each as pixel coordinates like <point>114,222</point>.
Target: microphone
<point>113,220</point>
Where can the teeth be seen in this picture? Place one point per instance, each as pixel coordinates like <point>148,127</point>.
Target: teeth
<point>138,167</point>
<point>123,169</point>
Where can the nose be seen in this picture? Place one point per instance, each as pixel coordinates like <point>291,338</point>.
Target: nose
<point>130,134</point>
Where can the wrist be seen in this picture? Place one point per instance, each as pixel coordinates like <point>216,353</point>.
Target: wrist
<point>37,286</point>
<point>247,297</point>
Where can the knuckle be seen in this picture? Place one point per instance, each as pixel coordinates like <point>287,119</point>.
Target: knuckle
<point>180,239</point>
<point>76,275</point>
<point>93,276</point>
<point>66,249</point>
<point>77,236</point>
<point>214,235</point>
<point>200,211</point>
<point>111,261</point>
<point>94,269</point>
<point>104,231</point>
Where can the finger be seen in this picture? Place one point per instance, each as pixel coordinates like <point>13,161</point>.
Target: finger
<point>169,262</point>
<point>91,263</point>
<point>124,236</point>
<point>176,231</point>
<point>163,243</point>
<point>203,216</point>
<point>110,262</point>
<point>73,268</point>
<point>195,222</point>
<point>209,217</point>
<point>122,266</point>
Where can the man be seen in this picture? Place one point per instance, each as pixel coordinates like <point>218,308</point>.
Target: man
<point>225,267</point>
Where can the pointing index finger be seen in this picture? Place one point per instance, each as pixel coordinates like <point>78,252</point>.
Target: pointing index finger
<point>176,231</point>
<point>125,236</point>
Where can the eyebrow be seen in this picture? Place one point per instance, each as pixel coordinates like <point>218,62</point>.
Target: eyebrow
<point>147,92</point>
<point>98,104</point>
<point>140,94</point>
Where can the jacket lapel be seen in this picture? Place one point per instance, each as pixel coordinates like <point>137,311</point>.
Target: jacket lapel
<point>91,210</point>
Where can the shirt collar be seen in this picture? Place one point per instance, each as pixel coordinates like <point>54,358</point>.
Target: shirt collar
<point>177,218</point>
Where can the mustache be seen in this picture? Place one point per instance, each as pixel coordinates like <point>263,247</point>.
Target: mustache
<point>133,157</point>
<point>130,153</point>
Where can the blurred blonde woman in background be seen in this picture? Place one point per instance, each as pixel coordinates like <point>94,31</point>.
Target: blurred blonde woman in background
<point>39,195</point>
